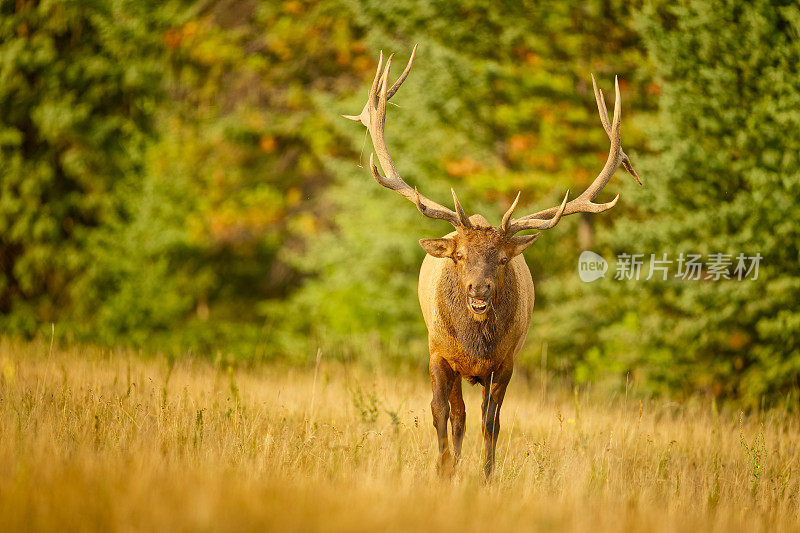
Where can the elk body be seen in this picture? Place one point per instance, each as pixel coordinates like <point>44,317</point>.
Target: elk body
<point>475,289</point>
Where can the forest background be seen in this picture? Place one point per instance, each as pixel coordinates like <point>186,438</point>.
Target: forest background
<point>175,176</point>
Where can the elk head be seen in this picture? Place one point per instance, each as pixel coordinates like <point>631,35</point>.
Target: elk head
<point>482,252</point>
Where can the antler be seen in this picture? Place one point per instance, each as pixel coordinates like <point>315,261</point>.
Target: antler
<point>373,116</point>
<point>548,218</point>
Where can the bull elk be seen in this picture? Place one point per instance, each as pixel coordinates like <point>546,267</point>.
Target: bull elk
<point>473,270</point>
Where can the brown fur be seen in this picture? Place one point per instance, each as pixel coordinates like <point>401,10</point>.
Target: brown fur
<point>479,338</point>
<point>479,348</point>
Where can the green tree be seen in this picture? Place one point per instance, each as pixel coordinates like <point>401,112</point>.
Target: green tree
<point>726,180</point>
<point>77,100</point>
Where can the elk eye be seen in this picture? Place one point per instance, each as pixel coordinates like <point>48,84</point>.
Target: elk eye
<point>503,260</point>
<point>459,256</point>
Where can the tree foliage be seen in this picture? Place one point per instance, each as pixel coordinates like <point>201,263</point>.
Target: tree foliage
<point>77,102</point>
<point>725,179</point>
<point>178,173</point>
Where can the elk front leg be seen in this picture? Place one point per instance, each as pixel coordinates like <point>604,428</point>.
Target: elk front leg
<point>458,417</point>
<point>442,379</point>
<point>494,390</point>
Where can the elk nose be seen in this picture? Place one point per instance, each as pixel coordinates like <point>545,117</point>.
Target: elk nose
<point>482,291</point>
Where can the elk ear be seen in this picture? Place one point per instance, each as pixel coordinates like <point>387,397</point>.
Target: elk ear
<point>443,247</point>
<point>520,242</point>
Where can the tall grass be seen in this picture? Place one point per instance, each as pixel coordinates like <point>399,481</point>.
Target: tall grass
<point>95,440</point>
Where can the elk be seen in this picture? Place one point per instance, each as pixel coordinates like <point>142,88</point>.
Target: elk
<point>475,289</point>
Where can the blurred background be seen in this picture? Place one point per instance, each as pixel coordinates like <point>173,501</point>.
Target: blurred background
<point>175,176</point>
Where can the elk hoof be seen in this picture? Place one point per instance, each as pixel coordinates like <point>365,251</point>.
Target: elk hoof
<point>447,465</point>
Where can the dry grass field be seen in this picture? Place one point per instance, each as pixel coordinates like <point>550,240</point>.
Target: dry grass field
<point>94,440</point>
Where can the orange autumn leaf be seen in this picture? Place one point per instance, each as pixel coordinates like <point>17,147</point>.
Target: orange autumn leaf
<point>520,142</point>
<point>267,143</point>
<point>293,7</point>
<point>172,38</point>
<point>462,167</point>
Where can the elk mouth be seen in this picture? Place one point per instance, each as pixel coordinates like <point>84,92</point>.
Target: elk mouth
<point>478,305</point>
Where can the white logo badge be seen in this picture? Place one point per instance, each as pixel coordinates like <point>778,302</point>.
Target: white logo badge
<point>591,266</point>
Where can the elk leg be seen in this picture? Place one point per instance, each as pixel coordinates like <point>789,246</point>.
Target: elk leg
<point>492,401</point>
<point>442,378</point>
<point>458,417</point>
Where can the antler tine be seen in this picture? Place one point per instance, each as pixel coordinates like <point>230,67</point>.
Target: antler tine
<point>404,75</point>
<point>364,116</point>
<point>462,216</point>
<point>538,223</point>
<point>601,107</point>
<point>584,203</point>
<point>376,81</point>
<point>614,160</point>
<point>373,116</point>
<point>615,126</point>
<point>383,99</point>
<point>507,216</point>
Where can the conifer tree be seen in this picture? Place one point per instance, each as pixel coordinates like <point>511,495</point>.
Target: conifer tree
<point>725,181</point>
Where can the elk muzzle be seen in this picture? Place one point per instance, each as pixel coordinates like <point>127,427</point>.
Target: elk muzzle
<point>479,296</point>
